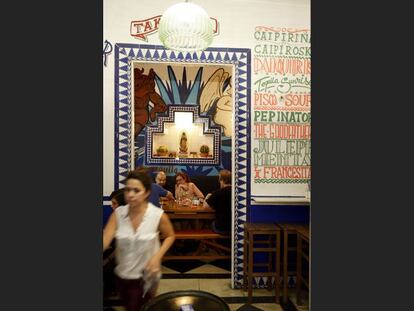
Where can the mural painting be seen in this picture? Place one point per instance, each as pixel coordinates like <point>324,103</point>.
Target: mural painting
<point>207,87</point>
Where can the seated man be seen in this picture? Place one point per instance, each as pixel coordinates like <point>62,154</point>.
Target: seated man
<point>161,179</point>
<point>157,192</point>
<point>220,200</point>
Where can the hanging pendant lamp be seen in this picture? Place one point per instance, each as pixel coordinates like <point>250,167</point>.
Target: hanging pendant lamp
<point>185,27</point>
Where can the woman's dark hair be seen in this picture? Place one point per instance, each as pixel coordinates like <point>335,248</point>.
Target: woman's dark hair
<point>183,175</point>
<point>118,195</point>
<point>142,175</point>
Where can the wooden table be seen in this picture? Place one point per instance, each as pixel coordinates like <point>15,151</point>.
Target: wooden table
<point>207,238</point>
<point>176,211</point>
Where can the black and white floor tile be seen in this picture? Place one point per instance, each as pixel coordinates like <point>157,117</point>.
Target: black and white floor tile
<point>215,278</point>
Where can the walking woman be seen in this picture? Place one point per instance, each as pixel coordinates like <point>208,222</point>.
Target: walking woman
<point>136,227</point>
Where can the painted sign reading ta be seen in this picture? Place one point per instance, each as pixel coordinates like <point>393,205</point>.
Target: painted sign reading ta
<point>140,29</point>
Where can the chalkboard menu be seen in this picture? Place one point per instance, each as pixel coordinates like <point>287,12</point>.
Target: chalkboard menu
<point>281,111</point>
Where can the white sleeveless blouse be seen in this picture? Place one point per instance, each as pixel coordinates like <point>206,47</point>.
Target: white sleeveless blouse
<point>135,249</point>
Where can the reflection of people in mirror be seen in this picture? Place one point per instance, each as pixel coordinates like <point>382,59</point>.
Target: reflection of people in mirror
<point>184,189</point>
<point>220,200</point>
<point>183,143</point>
<point>161,179</point>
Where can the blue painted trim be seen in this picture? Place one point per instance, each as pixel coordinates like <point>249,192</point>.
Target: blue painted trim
<point>116,116</point>
<point>278,196</point>
<point>248,174</point>
<point>160,47</point>
<point>280,214</point>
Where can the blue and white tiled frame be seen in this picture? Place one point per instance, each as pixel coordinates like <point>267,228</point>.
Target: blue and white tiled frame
<point>125,55</point>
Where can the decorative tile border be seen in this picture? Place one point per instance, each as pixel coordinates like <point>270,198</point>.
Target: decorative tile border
<point>207,129</point>
<point>125,54</point>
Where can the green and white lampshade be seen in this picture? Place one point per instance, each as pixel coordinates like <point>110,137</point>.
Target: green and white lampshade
<point>185,27</point>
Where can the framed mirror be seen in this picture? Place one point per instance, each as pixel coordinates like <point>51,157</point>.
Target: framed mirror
<point>132,150</point>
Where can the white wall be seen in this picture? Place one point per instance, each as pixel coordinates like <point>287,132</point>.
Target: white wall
<point>237,21</point>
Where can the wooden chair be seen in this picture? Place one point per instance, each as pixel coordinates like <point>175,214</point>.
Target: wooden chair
<point>302,254</point>
<point>288,230</point>
<point>269,245</point>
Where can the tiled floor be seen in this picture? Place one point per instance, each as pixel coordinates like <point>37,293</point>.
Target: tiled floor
<point>220,287</point>
<point>207,268</point>
<point>235,306</point>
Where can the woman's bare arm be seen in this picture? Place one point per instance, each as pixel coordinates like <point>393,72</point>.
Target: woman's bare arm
<point>196,191</point>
